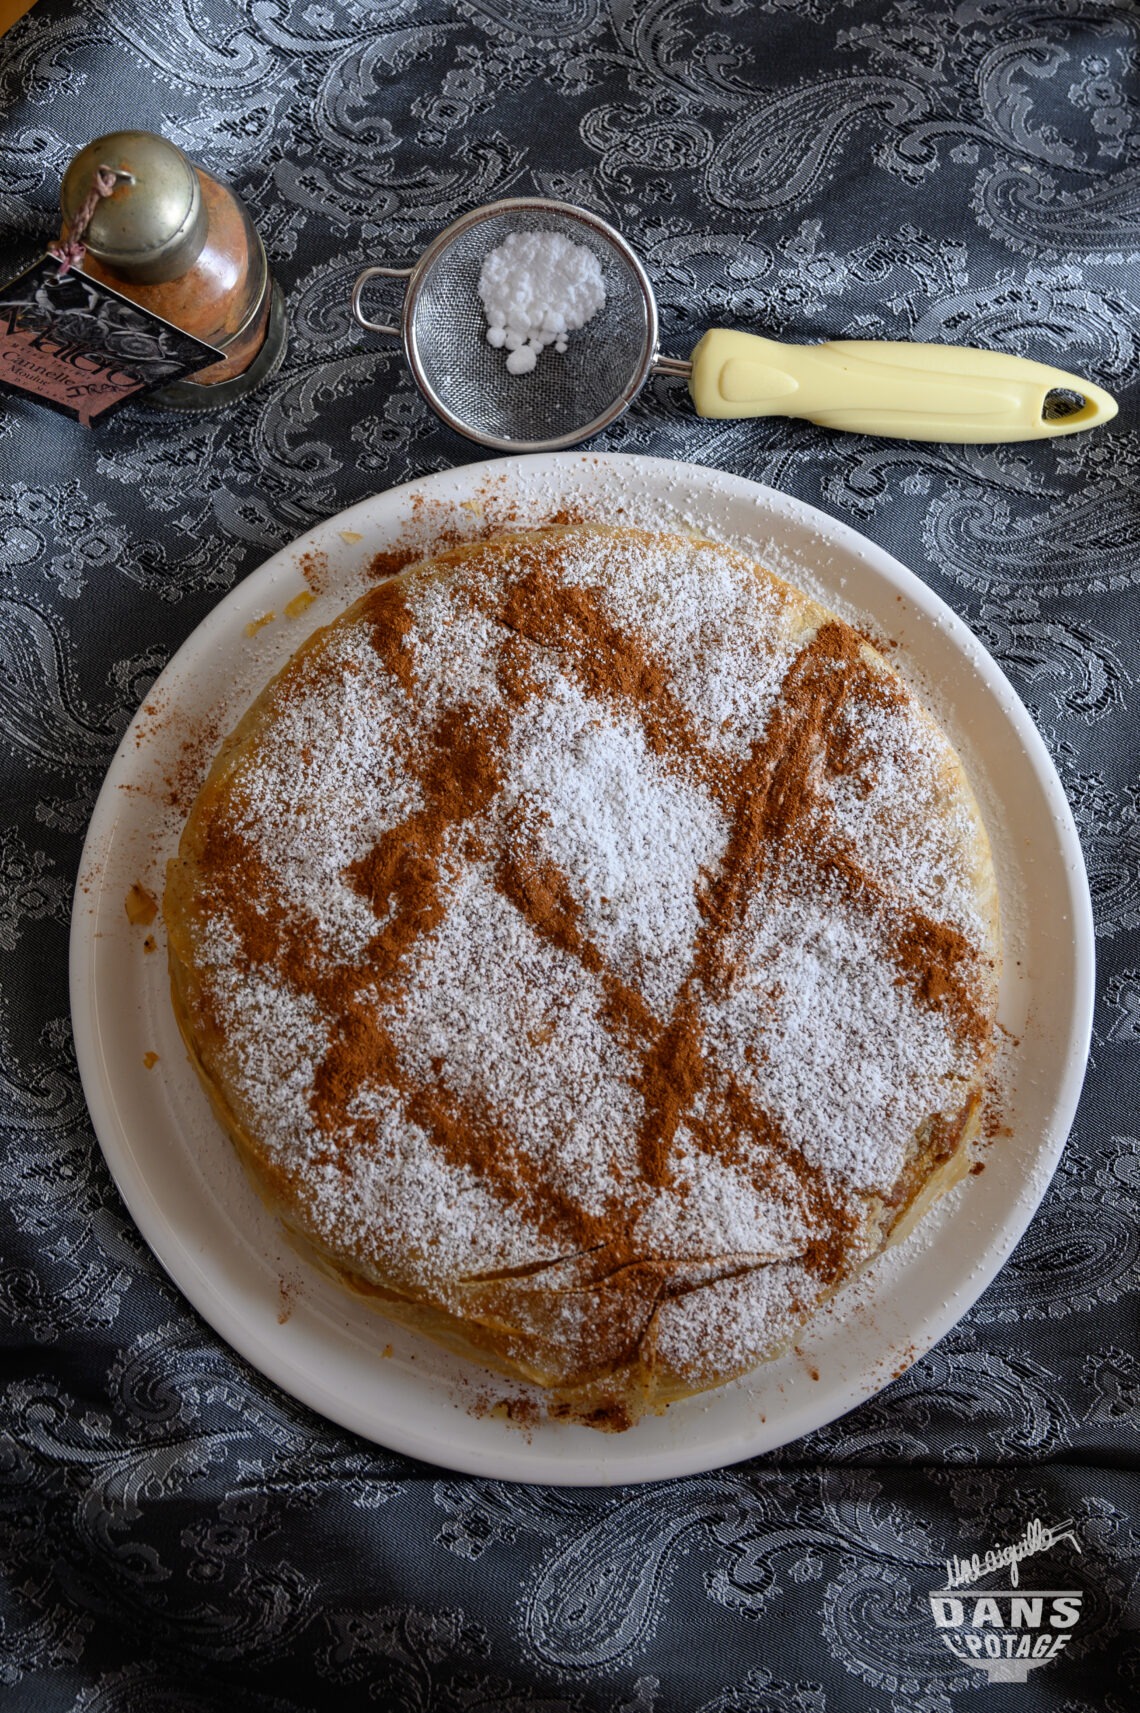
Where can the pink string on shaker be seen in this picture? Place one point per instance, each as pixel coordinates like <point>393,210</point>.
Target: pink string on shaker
<point>70,251</point>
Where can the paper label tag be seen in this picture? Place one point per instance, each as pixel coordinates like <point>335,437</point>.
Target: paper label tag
<point>82,348</point>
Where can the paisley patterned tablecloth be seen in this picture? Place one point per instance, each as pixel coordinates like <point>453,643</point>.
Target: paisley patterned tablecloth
<point>175,1534</point>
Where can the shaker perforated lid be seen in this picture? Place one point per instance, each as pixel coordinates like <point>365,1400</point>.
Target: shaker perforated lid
<point>153,225</point>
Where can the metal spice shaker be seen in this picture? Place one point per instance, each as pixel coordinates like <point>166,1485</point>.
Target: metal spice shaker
<point>180,244</point>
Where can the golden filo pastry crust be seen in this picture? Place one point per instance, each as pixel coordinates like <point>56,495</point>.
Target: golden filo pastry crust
<point>591,947</point>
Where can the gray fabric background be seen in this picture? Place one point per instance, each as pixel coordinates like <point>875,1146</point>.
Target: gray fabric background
<point>174,1533</point>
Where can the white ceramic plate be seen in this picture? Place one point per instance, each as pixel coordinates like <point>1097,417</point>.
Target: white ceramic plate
<point>178,1173</point>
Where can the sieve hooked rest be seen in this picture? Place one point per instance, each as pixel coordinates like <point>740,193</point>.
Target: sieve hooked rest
<point>358,295</point>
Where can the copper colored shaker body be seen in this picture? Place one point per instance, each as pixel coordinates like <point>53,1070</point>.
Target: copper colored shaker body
<point>180,244</point>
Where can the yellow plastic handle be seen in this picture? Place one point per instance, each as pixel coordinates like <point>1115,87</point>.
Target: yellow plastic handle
<point>909,392</point>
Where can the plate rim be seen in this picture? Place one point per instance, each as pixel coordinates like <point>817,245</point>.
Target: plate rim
<point>555,1467</point>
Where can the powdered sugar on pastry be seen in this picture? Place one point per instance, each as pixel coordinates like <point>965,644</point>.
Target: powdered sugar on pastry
<point>596,946</point>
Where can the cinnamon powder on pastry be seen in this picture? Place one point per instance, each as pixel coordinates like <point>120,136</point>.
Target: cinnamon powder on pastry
<point>771,798</point>
<point>778,833</point>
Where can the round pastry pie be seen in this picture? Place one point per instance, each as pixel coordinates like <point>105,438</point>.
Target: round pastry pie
<point>591,947</point>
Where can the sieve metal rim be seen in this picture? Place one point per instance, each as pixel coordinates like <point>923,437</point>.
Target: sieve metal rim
<point>416,275</point>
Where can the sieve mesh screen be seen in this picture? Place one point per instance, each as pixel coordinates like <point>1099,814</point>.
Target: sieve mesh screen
<point>567,392</point>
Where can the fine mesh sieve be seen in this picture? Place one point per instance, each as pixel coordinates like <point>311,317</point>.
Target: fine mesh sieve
<point>573,394</point>
<point>903,390</point>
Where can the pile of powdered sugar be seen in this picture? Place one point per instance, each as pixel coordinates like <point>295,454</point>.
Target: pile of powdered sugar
<point>536,288</point>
